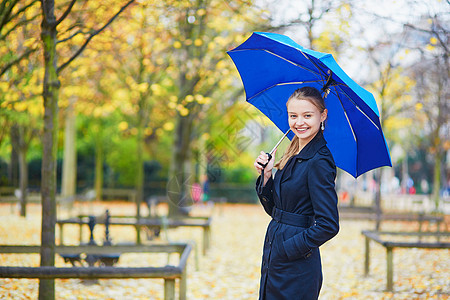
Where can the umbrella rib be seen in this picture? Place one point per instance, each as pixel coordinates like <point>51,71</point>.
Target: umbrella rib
<point>320,71</point>
<point>345,113</point>
<point>348,121</point>
<point>283,83</point>
<point>291,62</point>
<point>350,124</point>
<point>356,105</point>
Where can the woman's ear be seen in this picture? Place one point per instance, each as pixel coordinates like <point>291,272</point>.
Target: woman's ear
<point>324,115</point>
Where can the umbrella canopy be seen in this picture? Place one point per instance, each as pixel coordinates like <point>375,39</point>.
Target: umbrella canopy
<point>272,67</point>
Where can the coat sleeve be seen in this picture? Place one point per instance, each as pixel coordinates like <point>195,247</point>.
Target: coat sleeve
<point>265,194</point>
<point>321,178</point>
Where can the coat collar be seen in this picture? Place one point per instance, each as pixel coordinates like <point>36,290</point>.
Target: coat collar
<point>312,147</point>
<point>306,153</point>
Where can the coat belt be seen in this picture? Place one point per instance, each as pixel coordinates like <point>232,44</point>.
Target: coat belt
<point>289,218</point>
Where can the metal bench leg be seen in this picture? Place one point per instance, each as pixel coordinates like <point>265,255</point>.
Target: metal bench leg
<point>438,224</point>
<point>420,227</point>
<point>197,264</point>
<point>169,289</point>
<point>390,269</point>
<point>183,285</point>
<point>206,238</point>
<point>367,257</point>
<point>61,236</point>
<point>81,230</point>
<point>138,234</point>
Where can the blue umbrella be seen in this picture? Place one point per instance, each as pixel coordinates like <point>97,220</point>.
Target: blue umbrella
<point>272,67</point>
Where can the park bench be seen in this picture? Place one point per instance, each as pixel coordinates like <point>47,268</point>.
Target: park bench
<point>11,195</point>
<point>162,223</point>
<point>129,194</point>
<point>169,273</point>
<point>213,203</point>
<point>369,214</point>
<point>14,198</point>
<point>390,244</point>
<point>92,259</point>
<point>7,196</point>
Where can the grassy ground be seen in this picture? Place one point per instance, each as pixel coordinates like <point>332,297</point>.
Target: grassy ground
<point>230,270</point>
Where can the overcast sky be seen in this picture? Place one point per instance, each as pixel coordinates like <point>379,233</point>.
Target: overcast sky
<point>372,21</point>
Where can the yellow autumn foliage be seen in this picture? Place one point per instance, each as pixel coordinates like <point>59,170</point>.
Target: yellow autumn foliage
<point>169,126</point>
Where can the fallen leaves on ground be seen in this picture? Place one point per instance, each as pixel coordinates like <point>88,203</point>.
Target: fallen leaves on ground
<point>231,268</point>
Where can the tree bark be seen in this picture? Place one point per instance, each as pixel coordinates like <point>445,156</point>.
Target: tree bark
<point>98,168</point>
<point>69,171</point>
<point>17,133</point>
<point>378,210</point>
<point>13,169</point>
<point>437,179</point>
<point>140,167</point>
<point>23,181</point>
<point>51,86</point>
<point>177,187</point>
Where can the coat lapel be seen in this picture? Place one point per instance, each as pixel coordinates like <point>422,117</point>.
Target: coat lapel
<point>307,152</point>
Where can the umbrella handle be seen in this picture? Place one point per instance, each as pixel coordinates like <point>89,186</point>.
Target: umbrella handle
<point>264,165</point>
<point>274,148</point>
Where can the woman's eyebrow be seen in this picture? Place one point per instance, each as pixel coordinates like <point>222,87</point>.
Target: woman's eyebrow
<point>305,112</point>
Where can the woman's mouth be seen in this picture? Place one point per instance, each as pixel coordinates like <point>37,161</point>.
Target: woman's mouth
<point>302,130</point>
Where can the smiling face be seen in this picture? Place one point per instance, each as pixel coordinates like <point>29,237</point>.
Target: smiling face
<point>304,119</point>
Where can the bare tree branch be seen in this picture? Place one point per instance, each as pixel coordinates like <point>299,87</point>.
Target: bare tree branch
<point>12,63</point>
<point>71,36</point>
<point>66,13</point>
<point>64,65</point>
<point>433,32</point>
<point>6,12</point>
<point>18,24</point>
<point>70,28</point>
<point>29,97</point>
<point>23,9</point>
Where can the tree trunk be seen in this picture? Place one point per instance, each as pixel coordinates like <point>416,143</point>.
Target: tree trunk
<point>51,86</point>
<point>437,179</point>
<point>69,171</point>
<point>17,133</point>
<point>139,170</point>
<point>23,181</point>
<point>378,210</point>
<point>177,188</point>
<point>13,170</point>
<point>405,172</point>
<point>98,169</point>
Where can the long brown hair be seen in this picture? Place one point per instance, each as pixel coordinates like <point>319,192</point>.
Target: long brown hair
<point>305,93</point>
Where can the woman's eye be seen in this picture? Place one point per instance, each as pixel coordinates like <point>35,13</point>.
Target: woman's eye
<point>308,116</point>
<point>292,116</point>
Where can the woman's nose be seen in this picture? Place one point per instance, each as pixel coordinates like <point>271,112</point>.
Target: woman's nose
<point>299,121</point>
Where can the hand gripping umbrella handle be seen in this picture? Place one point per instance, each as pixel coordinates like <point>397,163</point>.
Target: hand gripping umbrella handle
<point>273,150</point>
<point>264,165</point>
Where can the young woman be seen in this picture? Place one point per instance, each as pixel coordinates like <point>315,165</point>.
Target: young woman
<point>302,201</point>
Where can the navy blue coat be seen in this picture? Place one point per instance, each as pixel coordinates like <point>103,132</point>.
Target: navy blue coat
<point>291,265</point>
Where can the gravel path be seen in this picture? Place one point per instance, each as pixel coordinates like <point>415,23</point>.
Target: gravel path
<point>230,270</point>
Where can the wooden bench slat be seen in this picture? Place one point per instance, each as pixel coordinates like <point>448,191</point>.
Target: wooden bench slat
<point>90,272</point>
<point>93,249</point>
<point>390,245</point>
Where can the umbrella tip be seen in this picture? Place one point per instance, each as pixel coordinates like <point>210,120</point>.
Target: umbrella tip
<point>325,88</point>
